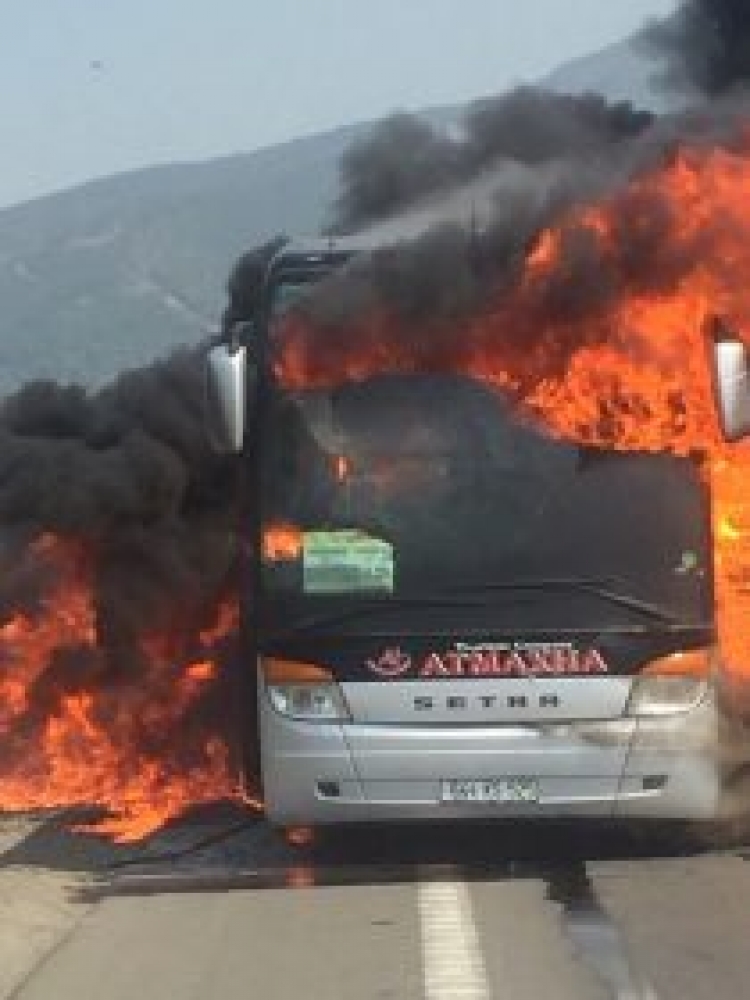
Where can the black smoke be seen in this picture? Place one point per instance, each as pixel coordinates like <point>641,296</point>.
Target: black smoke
<point>706,43</point>
<point>401,159</point>
<point>421,305</point>
<point>128,473</point>
<point>141,510</point>
<point>405,158</point>
<point>529,159</point>
<point>533,126</point>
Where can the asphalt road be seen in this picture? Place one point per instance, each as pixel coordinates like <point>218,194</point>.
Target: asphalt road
<point>221,907</point>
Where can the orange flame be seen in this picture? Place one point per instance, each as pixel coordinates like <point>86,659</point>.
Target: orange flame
<point>282,543</point>
<point>128,746</point>
<point>629,370</point>
<point>342,468</point>
<point>731,482</point>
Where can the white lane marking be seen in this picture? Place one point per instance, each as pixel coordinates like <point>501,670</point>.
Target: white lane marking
<point>451,956</point>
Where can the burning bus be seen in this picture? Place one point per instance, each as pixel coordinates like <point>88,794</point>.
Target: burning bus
<point>455,612</point>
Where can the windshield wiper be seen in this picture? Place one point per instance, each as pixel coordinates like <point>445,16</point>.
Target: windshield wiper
<point>582,585</point>
<point>373,605</point>
<point>452,599</point>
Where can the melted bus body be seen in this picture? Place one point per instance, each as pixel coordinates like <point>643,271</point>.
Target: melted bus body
<point>454,614</point>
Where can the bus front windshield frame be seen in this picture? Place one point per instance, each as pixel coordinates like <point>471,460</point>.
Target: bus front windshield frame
<point>405,485</point>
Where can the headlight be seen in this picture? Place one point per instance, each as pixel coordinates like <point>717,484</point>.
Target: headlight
<point>305,692</point>
<point>311,702</point>
<point>674,683</point>
<point>654,696</point>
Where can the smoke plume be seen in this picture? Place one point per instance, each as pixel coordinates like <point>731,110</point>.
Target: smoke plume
<point>127,473</point>
<point>418,306</point>
<point>707,45</point>
<point>405,158</point>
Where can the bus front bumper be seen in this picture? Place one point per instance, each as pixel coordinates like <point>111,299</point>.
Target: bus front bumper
<point>663,768</point>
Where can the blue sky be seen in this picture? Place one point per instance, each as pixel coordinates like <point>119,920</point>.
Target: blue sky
<point>93,87</point>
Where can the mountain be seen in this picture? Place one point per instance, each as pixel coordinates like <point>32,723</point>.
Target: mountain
<point>111,274</point>
<point>114,272</point>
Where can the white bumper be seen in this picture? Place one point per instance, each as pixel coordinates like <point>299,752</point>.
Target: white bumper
<point>332,773</point>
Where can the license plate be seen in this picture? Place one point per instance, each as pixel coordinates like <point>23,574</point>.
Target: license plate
<point>491,790</point>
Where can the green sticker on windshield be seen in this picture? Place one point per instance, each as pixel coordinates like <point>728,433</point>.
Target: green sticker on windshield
<point>341,562</point>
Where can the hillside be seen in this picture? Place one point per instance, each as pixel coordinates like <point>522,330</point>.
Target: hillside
<point>112,273</point>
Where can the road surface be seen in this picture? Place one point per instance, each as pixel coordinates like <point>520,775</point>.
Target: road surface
<point>220,907</point>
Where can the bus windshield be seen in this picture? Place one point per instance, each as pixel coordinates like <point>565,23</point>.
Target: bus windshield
<point>407,485</point>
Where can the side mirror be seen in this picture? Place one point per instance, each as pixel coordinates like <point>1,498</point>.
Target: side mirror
<point>732,386</point>
<point>226,396</point>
